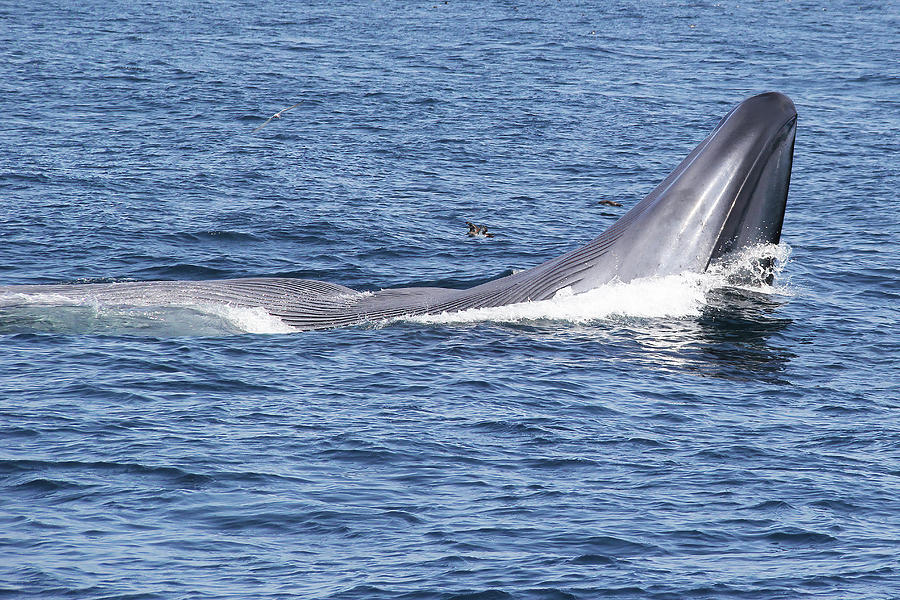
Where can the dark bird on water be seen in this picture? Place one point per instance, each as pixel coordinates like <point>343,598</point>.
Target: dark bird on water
<point>478,230</point>
<point>276,116</point>
<point>609,203</point>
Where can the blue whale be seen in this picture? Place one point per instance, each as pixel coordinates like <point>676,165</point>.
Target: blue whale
<point>727,195</point>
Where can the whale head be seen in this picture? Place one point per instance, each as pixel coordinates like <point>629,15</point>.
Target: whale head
<point>727,195</point>
<point>755,143</point>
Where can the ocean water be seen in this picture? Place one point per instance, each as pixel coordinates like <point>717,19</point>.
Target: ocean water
<point>671,438</point>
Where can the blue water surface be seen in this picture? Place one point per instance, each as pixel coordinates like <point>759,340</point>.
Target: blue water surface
<point>750,450</point>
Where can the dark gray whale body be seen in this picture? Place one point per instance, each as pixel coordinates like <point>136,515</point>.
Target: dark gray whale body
<point>727,195</point>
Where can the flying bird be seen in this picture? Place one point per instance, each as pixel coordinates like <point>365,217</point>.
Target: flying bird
<point>276,116</point>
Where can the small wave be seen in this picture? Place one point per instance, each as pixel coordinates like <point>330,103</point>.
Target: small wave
<point>798,537</point>
<point>45,486</point>
<point>593,559</point>
<point>218,236</point>
<point>607,546</point>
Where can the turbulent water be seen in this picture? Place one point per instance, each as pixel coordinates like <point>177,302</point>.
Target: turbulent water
<point>680,437</point>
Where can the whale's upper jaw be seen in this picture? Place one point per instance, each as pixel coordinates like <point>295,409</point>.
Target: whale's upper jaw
<point>728,194</point>
<point>757,213</point>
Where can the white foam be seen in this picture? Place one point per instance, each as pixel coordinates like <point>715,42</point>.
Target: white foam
<point>751,268</point>
<point>248,320</point>
<point>188,316</point>
<point>168,314</point>
<point>20,298</point>
<point>674,296</point>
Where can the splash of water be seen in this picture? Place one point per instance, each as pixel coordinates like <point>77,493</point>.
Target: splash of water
<point>249,320</point>
<point>673,296</point>
<point>151,316</point>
